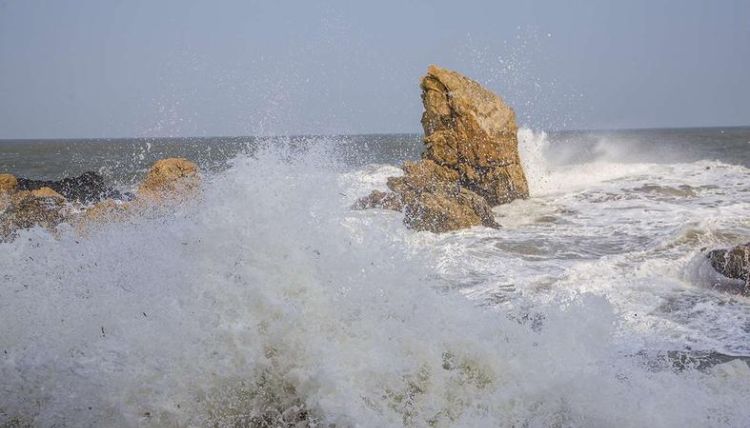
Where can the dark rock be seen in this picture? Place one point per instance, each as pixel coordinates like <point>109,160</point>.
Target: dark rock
<point>86,188</point>
<point>733,263</point>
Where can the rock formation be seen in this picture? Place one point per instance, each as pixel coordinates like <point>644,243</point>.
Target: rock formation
<point>470,162</point>
<point>28,203</point>
<point>733,263</point>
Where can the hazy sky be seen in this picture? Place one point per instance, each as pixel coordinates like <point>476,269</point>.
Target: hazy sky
<point>107,68</point>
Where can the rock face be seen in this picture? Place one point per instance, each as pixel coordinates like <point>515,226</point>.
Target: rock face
<point>470,162</point>
<point>733,263</point>
<point>86,188</point>
<point>472,131</point>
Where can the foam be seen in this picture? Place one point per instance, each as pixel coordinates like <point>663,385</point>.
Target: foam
<point>269,300</point>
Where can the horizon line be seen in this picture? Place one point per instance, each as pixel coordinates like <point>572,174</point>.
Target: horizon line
<point>362,134</point>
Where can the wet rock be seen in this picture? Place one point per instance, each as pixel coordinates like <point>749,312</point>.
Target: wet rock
<point>86,188</point>
<point>470,162</point>
<point>434,200</point>
<point>29,208</point>
<point>447,208</point>
<point>170,178</point>
<point>733,263</point>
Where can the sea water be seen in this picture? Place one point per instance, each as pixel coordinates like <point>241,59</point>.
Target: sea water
<point>267,301</point>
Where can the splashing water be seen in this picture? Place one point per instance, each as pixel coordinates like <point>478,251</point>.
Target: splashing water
<point>269,302</point>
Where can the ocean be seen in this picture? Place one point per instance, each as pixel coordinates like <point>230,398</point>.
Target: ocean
<point>267,301</point>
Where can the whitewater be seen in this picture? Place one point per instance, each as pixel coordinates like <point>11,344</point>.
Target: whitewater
<point>267,301</point>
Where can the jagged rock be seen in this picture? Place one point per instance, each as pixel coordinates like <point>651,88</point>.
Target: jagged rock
<point>86,188</point>
<point>470,162</point>
<point>8,183</point>
<point>172,177</point>
<point>733,263</point>
<point>378,199</point>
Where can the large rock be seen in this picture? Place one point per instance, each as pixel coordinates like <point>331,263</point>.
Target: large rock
<point>86,188</point>
<point>733,263</point>
<point>470,162</point>
<point>472,131</point>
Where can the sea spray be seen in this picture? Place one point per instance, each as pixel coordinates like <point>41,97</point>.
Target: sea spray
<point>268,301</point>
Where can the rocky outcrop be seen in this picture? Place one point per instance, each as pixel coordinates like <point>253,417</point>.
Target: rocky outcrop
<point>733,263</point>
<point>86,188</point>
<point>470,162</point>
<point>26,203</point>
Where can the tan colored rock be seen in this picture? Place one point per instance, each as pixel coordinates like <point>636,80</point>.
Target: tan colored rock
<point>170,177</point>
<point>472,131</point>
<point>470,163</point>
<point>8,183</point>
<point>447,208</point>
<point>422,175</point>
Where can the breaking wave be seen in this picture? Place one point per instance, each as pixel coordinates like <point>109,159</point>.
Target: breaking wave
<point>269,302</point>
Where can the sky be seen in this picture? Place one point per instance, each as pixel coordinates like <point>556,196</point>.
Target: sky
<point>142,68</point>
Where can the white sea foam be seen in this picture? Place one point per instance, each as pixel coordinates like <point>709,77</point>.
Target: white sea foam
<point>269,295</point>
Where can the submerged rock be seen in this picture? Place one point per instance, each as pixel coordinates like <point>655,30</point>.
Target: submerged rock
<point>470,162</point>
<point>733,263</point>
<point>86,188</point>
